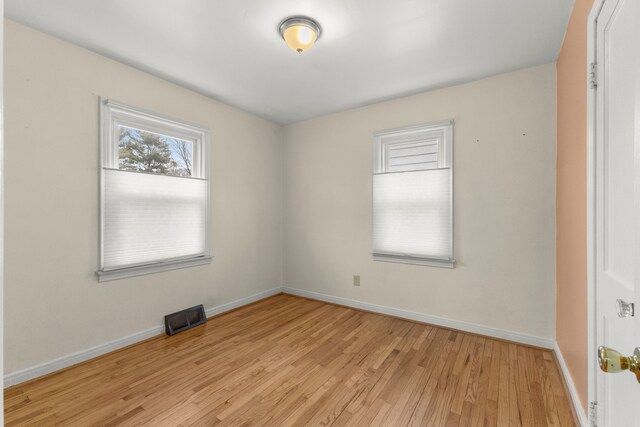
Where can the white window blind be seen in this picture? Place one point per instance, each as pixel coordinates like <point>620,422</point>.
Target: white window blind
<point>409,157</point>
<point>154,193</point>
<point>149,218</point>
<point>412,195</point>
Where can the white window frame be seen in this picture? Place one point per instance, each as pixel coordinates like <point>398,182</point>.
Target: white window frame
<point>114,114</point>
<point>441,132</point>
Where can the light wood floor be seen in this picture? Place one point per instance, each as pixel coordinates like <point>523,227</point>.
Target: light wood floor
<point>292,361</point>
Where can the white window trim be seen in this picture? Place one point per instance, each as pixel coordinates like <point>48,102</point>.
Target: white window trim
<point>115,114</point>
<point>141,270</point>
<point>408,259</point>
<point>445,160</point>
<point>410,134</point>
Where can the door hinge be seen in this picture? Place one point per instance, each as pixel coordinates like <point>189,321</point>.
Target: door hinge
<point>593,414</point>
<point>593,75</point>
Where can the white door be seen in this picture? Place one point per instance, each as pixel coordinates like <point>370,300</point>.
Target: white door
<point>617,215</point>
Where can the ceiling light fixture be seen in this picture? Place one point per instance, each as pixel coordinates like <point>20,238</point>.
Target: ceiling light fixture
<point>300,33</point>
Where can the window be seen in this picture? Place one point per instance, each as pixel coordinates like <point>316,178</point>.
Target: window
<point>412,195</point>
<point>154,193</point>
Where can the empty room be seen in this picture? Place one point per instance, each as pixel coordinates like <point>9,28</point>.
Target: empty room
<point>320,212</point>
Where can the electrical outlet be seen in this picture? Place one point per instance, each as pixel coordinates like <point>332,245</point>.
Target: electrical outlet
<point>356,280</point>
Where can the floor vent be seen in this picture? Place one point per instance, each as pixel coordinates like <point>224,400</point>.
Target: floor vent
<point>185,319</point>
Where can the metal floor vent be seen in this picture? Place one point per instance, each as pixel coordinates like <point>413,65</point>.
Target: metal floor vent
<point>185,319</point>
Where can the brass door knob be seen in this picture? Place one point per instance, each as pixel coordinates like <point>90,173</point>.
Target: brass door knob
<point>612,361</point>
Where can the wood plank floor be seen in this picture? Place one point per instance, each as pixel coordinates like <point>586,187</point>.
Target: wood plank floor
<point>292,361</point>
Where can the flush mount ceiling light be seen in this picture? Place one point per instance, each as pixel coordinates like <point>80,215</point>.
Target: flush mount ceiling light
<point>300,33</point>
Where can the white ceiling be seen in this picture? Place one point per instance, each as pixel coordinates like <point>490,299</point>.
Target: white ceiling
<point>370,50</point>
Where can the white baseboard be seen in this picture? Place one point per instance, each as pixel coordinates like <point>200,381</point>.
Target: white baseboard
<point>81,356</point>
<point>577,405</point>
<point>213,311</point>
<point>78,357</point>
<point>426,318</point>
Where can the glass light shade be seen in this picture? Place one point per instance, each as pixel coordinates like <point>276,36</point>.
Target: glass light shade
<point>300,33</point>
<point>299,38</point>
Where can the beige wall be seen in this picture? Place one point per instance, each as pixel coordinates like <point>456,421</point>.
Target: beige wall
<point>504,205</point>
<point>571,247</point>
<point>54,305</point>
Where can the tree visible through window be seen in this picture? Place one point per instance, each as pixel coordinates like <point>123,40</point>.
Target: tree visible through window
<point>144,151</point>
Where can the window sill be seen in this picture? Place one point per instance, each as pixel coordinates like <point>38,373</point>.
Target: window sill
<point>403,259</point>
<point>123,273</point>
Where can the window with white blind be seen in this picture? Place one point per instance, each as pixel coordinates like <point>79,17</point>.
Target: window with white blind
<point>413,195</point>
<point>154,193</point>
